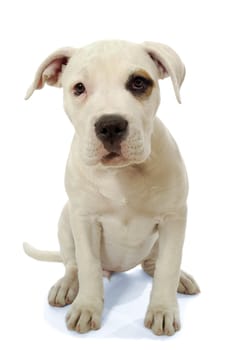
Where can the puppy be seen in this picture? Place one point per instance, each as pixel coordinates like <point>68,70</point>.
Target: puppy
<point>125,180</point>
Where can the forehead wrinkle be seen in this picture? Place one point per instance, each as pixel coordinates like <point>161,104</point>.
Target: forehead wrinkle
<point>108,68</point>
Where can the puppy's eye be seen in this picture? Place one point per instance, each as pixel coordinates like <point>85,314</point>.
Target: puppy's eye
<point>79,89</point>
<point>139,85</point>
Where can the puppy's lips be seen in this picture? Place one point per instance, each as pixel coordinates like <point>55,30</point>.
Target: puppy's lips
<point>111,158</point>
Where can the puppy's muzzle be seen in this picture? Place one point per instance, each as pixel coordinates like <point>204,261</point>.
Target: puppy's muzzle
<point>111,130</point>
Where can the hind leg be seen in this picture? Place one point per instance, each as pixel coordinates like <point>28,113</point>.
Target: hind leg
<point>66,288</point>
<point>187,284</point>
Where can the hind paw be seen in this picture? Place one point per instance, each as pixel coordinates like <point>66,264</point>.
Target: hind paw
<point>187,284</point>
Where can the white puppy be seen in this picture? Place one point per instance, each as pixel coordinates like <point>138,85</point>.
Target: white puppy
<point>125,179</point>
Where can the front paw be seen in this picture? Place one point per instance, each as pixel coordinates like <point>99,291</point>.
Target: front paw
<point>163,319</point>
<point>84,316</point>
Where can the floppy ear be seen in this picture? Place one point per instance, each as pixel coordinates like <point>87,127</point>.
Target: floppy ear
<point>168,64</point>
<point>50,70</point>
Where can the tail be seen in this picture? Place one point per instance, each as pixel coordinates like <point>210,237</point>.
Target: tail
<point>42,255</point>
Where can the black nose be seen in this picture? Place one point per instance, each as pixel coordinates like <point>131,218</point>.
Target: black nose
<point>111,129</point>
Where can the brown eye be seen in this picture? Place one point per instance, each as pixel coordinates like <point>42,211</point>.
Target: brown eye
<point>79,89</point>
<point>138,84</point>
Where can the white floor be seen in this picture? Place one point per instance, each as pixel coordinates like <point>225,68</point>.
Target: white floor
<point>30,322</point>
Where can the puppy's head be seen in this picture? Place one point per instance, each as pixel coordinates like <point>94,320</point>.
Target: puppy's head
<point>111,95</point>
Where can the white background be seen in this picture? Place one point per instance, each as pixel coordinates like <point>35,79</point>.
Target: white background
<point>34,143</point>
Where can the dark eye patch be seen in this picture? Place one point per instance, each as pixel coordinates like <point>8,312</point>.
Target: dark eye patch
<point>139,84</point>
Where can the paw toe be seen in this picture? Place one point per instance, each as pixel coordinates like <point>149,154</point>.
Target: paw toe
<point>162,321</point>
<point>63,292</point>
<point>83,318</point>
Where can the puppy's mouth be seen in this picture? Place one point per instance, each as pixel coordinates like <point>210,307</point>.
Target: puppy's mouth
<point>112,158</point>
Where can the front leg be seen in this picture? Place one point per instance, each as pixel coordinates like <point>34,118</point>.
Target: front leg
<point>86,310</point>
<point>163,312</point>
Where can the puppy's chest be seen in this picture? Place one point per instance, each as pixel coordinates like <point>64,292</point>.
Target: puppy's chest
<point>128,194</point>
<point>128,228</point>
<point>129,220</point>
<point>126,205</point>
<point>128,236</point>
